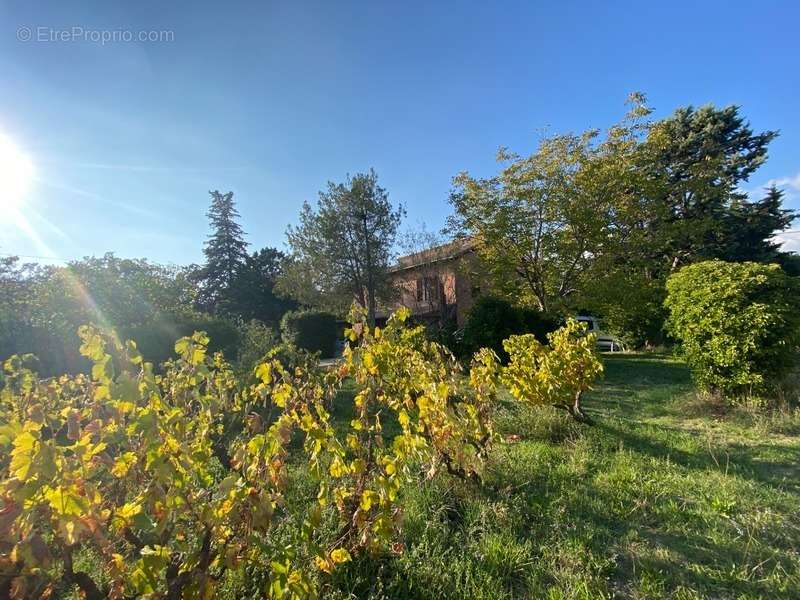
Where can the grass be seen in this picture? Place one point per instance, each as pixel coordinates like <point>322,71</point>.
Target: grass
<point>666,496</point>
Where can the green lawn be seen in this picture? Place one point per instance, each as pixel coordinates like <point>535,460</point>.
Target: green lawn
<point>662,498</point>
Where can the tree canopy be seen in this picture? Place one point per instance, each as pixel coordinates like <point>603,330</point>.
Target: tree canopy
<point>225,252</point>
<point>341,250</point>
<point>598,221</point>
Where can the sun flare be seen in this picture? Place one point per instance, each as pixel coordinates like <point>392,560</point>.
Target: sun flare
<point>16,175</point>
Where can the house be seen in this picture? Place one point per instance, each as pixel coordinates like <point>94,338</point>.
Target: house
<point>435,283</point>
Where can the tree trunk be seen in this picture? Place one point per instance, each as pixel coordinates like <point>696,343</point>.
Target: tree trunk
<point>370,275</point>
<point>577,412</point>
<point>372,305</point>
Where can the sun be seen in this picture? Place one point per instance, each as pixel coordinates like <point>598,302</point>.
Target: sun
<point>16,176</point>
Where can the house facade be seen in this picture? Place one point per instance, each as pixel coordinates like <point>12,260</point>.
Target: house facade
<point>436,284</point>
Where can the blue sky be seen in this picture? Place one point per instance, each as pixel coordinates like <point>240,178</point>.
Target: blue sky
<point>273,99</point>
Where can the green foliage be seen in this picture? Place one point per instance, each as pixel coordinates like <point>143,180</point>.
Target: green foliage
<point>337,484</point>
<point>601,220</point>
<point>225,252</point>
<point>631,305</point>
<point>342,250</point>
<point>156,340</point>
<point>171,480</point>
<point>257,339</point>
<point>699,157</point>
<point>312,331</point>
<point>43,307</point>
<point>252,292</point>
<point>415,386</point>
<point>557,374</point>
<point>120,464</point>
<point>752,226</point>
<point>738,323</point>
<point>492,320</point>
<point>232,283</point>
<point>534,223</point>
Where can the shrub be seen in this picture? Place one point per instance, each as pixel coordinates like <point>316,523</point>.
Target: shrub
<point>311,330</point>
<point>446,334</point>
<point>491,320</point>
<point>557,374</point>
<point>139,472</point>
<point>631,307</point>
<point>257,339</point>
<point>120,465</point>
<point>156,339</point>
<point>538,323</point>
<point>738,324</point>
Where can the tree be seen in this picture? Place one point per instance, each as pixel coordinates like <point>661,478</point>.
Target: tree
<point>535,226</point>
<point>119,292</point>
<point>225,252</point>
<point>752,225</point>
<point>700,157</point>
<point>341,251</point>
<point>18,298</point>
<point>252,293</point>
<point>676,200</point>
<point>123,295</point>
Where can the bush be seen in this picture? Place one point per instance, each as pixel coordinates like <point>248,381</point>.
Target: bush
<point>631,307</point>
<point>257,339</point>
<point>540,324</point>
<point>56,346</point>
<point>156,339</point>
<point>492,320</point>
<point>446,334</point>
<point>141,475</point>
<point>311,330</point>
<point>738,324</point>
<point>557,374</point>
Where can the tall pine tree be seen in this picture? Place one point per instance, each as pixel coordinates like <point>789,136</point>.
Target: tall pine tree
<point>695,162</point>
<point>225,252</point>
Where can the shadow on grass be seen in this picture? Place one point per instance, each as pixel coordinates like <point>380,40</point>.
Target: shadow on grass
<point>569,514</point>
<point>781,471</point>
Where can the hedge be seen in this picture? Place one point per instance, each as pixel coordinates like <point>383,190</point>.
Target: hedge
<point>311,330</point>
<point>492,320</point>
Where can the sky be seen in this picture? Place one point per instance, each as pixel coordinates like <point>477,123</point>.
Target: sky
<point>271,100</point>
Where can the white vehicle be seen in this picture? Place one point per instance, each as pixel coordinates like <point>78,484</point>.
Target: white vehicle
<point>605,341</point>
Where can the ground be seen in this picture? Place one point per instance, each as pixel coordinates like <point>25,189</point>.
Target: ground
<point>666,496</point>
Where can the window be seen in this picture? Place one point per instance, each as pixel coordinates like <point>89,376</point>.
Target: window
<point>428,289</point>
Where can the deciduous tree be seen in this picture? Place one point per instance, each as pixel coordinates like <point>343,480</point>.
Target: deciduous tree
<point>535,226</point>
